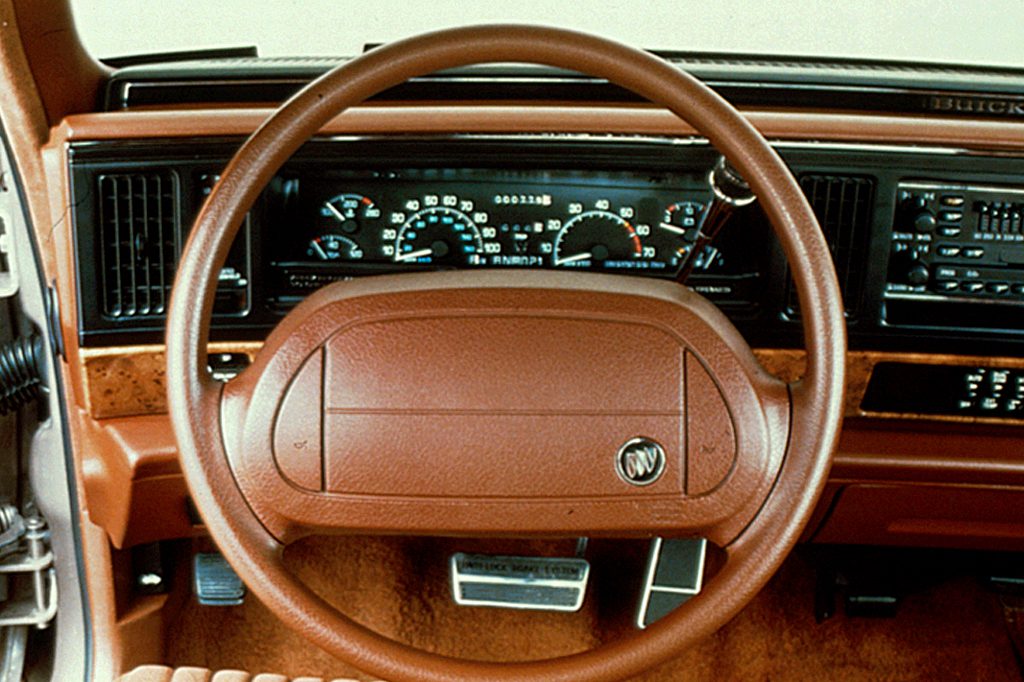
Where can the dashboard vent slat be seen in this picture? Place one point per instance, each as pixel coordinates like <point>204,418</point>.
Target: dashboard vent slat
<point>843,206</point>
<point>138,232</point>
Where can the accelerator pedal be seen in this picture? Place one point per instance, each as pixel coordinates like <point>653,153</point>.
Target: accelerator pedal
<point>674,573</point>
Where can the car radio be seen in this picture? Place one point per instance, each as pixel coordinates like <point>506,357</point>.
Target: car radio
<point>955,243</point>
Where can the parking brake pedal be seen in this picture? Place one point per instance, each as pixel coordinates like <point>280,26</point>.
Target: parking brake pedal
<point>516,582</point>
<point>216,583</point>
<point>674,573</point>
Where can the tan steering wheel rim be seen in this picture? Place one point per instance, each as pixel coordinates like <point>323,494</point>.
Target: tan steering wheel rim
<point>195,404</point>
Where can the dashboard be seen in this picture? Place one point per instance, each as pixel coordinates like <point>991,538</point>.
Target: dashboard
<point>927,243</point>
<point>935,393</point>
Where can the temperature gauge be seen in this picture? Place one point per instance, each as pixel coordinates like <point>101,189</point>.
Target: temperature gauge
<point>349,213</point>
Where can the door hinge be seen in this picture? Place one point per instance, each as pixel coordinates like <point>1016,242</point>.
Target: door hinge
<point>28,581</point>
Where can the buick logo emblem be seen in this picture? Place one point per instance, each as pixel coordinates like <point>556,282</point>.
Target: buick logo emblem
<point>640,461</point>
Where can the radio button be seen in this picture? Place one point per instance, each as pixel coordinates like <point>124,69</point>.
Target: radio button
<point>949,230</point>
<point>997,287</point>
<point>973,252</point>
<point>972,287</point>
<point>945,272</point>
<point>948,250</point>
<point>954,200</point>
<point>1018,289</point>
<point>951,216</point>
<point>947,285</point>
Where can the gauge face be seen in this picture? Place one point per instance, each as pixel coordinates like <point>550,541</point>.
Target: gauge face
<point>439,235</point>
<point>683,218</point>
<point>334,247</point>
<point>680,226</point>
<point>710,259</point>
<point>349,213</point>
<point>600,239</point>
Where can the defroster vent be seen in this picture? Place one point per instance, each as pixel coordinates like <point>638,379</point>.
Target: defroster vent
<point>139,228</point>
<point>843,206</point>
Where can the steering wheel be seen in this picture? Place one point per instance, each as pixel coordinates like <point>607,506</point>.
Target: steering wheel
<point>362,414</point>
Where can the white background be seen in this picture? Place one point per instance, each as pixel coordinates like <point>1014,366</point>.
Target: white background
<point>970,31</point>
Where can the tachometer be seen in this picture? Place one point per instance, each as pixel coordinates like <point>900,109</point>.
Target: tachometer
<point>600,238</point>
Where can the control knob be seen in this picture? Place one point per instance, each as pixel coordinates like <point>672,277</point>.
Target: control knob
<point>918,274</point>
<point>914,215</point>
<point>925,221</point>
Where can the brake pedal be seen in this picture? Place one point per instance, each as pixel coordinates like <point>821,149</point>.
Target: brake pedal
<point>216,583</point>
<point>516,582</point>
<point>674,573</point>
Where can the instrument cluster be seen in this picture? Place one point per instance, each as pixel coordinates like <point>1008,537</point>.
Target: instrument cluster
<point>374,221</point>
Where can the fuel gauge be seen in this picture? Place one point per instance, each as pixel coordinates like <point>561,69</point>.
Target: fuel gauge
<point>683,219</point>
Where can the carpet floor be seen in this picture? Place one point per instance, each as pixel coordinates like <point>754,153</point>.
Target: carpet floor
<point>948,627</point>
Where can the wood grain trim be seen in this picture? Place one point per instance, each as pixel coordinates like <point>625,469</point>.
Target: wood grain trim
<point>129,380</point>
<point>68,78</point>
<point>789,365</point>
<point>539,118</point>
<point>25,124</point>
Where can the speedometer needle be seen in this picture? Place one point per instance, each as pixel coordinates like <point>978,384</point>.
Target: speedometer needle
<point>573,259</point>
<point>671,228</point>
<point>412,255</point>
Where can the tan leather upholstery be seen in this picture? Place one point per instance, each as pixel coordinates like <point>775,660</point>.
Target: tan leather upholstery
<point>161,673</point>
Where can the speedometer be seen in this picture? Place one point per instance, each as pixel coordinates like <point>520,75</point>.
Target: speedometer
<point>437,234</point>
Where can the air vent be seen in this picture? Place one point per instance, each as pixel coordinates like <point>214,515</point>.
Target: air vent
<point>843,206</point>
<point>138,231</point>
